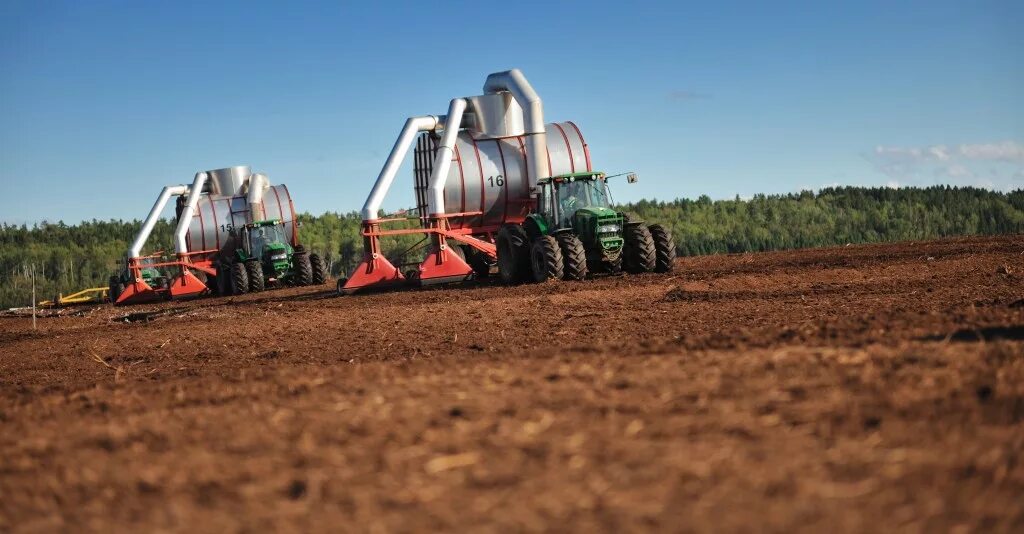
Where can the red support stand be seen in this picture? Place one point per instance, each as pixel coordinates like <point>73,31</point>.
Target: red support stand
<point>137,293</point>
<point>375,271</point>
<point>443,266</point>
<point>187,285</point>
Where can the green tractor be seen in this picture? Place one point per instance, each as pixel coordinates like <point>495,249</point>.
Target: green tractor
<point>264,258</point>
<point>574,231</point>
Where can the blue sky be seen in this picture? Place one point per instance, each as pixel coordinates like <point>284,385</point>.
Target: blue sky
<point>102,103</point>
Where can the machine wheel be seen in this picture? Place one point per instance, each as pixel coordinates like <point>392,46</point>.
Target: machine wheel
<point>115,289</point>
<point>546,259</point>
<point>513,254</point>
<point>665,248</point>
<point>479,261</point>
<point>254,271</point>
<point>641,256</point>
<point>574,257</point>
<point>239,279</point>
<point>303,269</point>
<point>319,269</point>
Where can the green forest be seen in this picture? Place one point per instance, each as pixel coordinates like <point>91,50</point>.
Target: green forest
<point>67,258</point>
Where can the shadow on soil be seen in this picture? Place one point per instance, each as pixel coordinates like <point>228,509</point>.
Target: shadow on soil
<point>989,333</point>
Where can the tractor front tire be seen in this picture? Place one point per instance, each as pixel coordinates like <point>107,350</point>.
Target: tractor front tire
<point>665,248</point>
<point>239,279</point>
<point>641,256</point>
<point>303,269</point>
<point>513,254</point>
<point>546,259</point>
<point>255,272</point>
<point>574,257</point>
<point>319,269</point>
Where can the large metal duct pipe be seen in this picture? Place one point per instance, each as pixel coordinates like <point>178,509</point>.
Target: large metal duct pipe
<point>443,160</point>
<point>154,214</point>
<point>257,184</point>
<point>413,126</point>
<point>514,82</point>
<point>185,218</point>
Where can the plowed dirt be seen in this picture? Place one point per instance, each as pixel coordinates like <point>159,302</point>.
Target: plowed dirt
<point>860,388</point>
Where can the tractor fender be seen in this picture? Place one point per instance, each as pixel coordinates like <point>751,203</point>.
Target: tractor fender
<point>630,218</point>
<point>535,226</point>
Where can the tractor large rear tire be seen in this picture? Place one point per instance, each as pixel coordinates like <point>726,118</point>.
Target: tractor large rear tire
<point>513,254</point>
<point>574,257</point>
<point>319,269</point>
<point>303,269</point>
<point>546,259</point>
<point>255,272</point>
<point>641,256</point>
<point>664,247</point>
<point>239,279</point>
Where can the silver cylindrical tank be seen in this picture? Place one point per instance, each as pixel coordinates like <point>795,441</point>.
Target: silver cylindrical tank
<point>489,175</point>
<point>216,215</point>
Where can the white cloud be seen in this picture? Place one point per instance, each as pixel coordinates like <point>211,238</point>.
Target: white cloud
<point>1011,151</point>
<point>1001,163</point>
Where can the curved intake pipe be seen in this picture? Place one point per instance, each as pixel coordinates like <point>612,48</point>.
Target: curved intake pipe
<point>514,82</point>
<point>443,160</point>
<point>257,184</point>
<point>413,126</point>
<point>154,214</point>
<point>185,219</point>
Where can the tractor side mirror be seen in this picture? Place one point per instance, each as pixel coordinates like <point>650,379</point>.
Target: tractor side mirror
<point>632,178</point>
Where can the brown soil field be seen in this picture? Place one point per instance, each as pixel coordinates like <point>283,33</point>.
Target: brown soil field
<point>857,388</point>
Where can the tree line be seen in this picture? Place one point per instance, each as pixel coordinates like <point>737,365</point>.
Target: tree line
<point>67,258</point>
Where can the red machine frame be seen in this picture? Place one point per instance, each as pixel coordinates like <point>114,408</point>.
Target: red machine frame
<point>440,266</point>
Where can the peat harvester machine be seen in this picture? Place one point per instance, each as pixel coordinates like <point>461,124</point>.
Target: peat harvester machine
<point>498,187</point>
<point>235,233</point>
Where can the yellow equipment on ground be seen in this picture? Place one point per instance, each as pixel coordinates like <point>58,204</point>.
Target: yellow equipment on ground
<point>85,296</point>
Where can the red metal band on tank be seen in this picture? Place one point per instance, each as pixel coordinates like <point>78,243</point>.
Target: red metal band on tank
<point>480,165</point>
<point>526,176</point>
<point>572,160</point>
<point>202,227</point>
<point>216,229</point>
<point>231,212</point>
<point>504,173</point>
<point>586,151</point>
<point>462,177</point>
<point>551,170</point>
<point>188,235</point>
<point>291,208</point>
